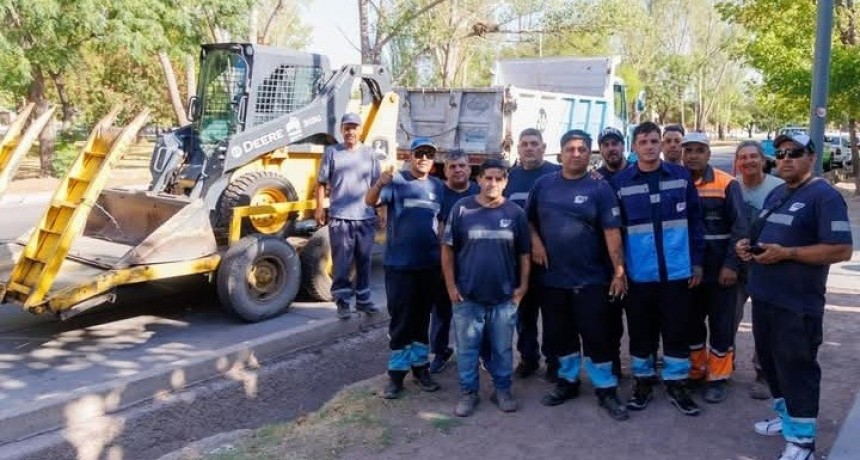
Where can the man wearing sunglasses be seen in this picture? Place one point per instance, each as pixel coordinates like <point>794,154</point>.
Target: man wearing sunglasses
<point>412,260</point>
<point>712,303</point>
<point>802,229</point>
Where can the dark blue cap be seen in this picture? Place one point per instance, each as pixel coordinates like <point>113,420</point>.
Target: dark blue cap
<point>576,134</point>
<point>421,142</point>
<point>351,118</point>
<point>610,132</point>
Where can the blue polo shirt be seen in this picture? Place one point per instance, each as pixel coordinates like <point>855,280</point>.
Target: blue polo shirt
<point>814,214</point>
<point>412,242</point>
<point>521,180</point>
<point>487,244</point>
<point>349,175</point>
<point>572,213</point>
<point>449,197</point>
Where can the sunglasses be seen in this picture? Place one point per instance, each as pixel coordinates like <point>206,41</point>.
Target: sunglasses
<point>428,154</point>
<point>790,153</point>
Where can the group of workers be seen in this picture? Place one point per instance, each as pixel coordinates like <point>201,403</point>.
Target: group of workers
<point>668,241</point>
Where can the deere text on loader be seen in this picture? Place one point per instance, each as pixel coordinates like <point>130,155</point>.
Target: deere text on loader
<point>232,194</point>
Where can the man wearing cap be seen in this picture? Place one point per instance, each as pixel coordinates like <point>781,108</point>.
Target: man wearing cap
<point>672,137</point>
<point>413,199</point>
<point>572,209</point>
<point>712,306</point>
<point>457,186</point>
<point>348,169</point>
<point>531,166</point>
<point>756,185</point>
<point>485,260</point>
<point>664,243</point>
<point>611,145</point>
<point>802,229</point>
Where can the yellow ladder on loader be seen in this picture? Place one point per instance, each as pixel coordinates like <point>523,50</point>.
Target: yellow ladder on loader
<point>14,146</point>
<point>67,213</point>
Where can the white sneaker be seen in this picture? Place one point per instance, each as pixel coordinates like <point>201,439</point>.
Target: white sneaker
<point>794,452</point>
<point>769,427</point>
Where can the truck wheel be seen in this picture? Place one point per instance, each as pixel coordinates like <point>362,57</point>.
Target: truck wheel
<point>255,189</point>
<point>258,278</point>
<point>317,266</point>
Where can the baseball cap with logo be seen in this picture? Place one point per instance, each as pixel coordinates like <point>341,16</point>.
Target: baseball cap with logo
<point>696,138</point>
<point>800,139</point>
<point>422,142</point>
<point>576,134</point>
<point>351,118</point>
<point>610,133</point>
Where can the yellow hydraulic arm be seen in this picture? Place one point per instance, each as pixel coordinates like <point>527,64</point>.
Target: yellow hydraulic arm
<point>66,216</point>
<point>15,145</point>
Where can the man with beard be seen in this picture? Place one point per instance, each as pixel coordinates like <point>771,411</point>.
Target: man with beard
<point>457,186</point>
<point>672,137</point>
<point>531,149</point>
<point>412,259</point>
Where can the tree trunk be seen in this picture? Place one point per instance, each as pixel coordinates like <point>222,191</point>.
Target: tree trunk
<point>190,76</point>
<point>721,131</point>
<point>48,136</point>
<point>253,29</point>
<point>173,89</point>
<point>364,31</point>
<point>855,158</point>
<point>65,104</point>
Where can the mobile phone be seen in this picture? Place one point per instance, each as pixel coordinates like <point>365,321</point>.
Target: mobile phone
<point>756,250</point>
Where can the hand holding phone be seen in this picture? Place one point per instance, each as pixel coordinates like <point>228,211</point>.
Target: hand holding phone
<point>756,250</point>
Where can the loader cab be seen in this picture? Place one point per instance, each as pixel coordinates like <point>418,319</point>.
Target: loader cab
<point>243,85</point>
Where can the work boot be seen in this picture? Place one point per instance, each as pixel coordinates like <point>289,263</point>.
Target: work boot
<point>343,309</point>
<point>368,308</point>
<point>467,404</point>
<point>797,452</point>
<point>759,388</point>
<point>608,399</point>
<point>562,391</point>
<point>505,400</point>
<point>679,396</point>
<point>394,388</point>
<point>441,361</point>
<point>421,376</point>
<point>551,373</point>
<point>643,391</point>
<point>525,369</point>
<point>715,392</point>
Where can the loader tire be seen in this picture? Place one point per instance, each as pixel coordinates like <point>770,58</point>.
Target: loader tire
<point>317,266</point>
<point>258,278</point>
<point>257,188</point>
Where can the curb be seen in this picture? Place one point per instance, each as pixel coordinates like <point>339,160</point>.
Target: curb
<point>87,403</point>
<point>847,444</point>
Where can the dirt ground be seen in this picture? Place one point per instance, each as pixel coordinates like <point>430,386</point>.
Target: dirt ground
<point>357,424</point>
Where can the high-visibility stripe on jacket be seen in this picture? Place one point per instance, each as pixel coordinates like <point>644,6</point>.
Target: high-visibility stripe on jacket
<point>724,220</point>
<point>675,219</point>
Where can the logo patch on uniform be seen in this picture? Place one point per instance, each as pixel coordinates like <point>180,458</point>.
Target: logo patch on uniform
<point>681,206</point>
<point>505,223</point>
<point>797,206</point>
<point>431,195</point>
<point>616,212</point>
<point>580,199</point>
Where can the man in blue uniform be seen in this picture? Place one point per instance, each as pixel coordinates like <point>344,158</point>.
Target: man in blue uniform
<point>413,199</point>
<point>531,149</point>
<point>672,137</point>
<point>349,169</point>
<point>571,209</point>
<point>457,186</point>
<point>485,260</point>
<point>664,243</point>
<point>802,229</point>
<point>712,306</point>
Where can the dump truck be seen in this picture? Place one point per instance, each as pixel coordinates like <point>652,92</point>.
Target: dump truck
<point>231,197</point>
<point>553,95</point>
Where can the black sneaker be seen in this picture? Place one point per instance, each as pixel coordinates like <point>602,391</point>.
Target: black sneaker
<point>551,373</point>
<point>393,389</point>
<point>643,391</point>
<point>467,404</point>
<point>608,399</point>
<point>440,361</point>
<point>368,308</point>
<point>562,391</point>
<point>679,396</point>
<point>421,376</point>
<point>343,310</point>
<point>525,369</point>
<point>715,392</point>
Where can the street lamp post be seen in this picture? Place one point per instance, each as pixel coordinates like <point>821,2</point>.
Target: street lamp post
<point>820,80</point>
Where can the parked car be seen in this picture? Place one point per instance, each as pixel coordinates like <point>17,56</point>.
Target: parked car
<point>841,148</point>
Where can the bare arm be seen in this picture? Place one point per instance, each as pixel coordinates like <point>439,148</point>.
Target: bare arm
<point>816,254</point>
<point>448,273</point>
<point>615,247</point>
<point>319,212</point>
<point>539,255</point>
<point>525,270</point>
<point>372,196</point>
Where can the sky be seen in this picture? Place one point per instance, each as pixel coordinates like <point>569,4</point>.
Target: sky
<point>332,22</point>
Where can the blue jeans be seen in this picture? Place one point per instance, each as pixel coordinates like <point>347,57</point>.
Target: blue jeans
<point>471,321</point>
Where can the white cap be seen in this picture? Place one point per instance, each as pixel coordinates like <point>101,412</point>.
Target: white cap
<point>696,138</point>
<point>800,139</point>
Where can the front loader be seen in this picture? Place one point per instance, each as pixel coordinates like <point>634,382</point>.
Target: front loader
<point>232,194</point>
